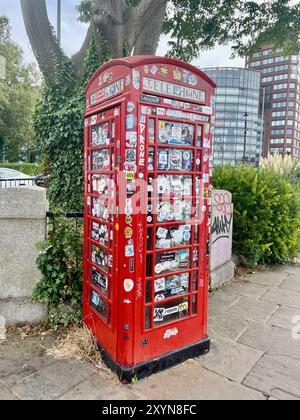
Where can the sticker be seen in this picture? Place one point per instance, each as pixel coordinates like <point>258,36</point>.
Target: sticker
<point>171,333</point>
<point>146,69</point>
<point>149,219</point>
<point>128,209</point>
<point>164,71</point>
<point>154,100</point>
<point>129,251</point>
<point>128,167</point>
<point>86,122</point>
<point>136,76</point>
<point>128,220</point>
<point>146,110</point>
<point>127,302</point>
<point>131,266</point>
<point>130,122</point>
<point>161,111</point>
<point>177,75</point>
<point>130,156</point>
<point>94,120</point>
<point>130,107</point>
<point>193,80</point>
<point>128,285</point>
<point>207,128</point>
<point>131,139</point>
<point>128,233</point>
<point>143,119</point>
<point>186,76</point>
<point>128,80</point>
<point>205,178</point>
<point>117,227</point>
<point>141,176</point>
<point>105,77</point>
<point>154,70</point>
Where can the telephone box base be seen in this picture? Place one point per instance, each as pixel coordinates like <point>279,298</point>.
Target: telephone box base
<point>141,371</point>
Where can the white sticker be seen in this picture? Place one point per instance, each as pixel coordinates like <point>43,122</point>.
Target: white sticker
<point>129,251</point>
<point>94,120</point>
<point>128,285</point>
<point>171,333</point>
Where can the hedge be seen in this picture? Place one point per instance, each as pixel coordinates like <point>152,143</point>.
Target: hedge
<point>266,213</point>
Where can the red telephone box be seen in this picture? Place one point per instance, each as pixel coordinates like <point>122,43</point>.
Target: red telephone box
<point>148,163</point>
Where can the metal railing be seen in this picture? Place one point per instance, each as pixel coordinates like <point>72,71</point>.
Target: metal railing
<point>22,182</point>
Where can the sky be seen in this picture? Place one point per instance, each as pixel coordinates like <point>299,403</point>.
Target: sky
<point>73,33</point>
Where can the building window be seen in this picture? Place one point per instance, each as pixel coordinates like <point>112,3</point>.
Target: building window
<point>279,95</point>
<point>267,79</point>
<point>268,61</point>
<point>280,59</point>
<point>279,114</point>
<point>278,123</point>
<point>281,77</point>
<point>279,105</point>
<point>281,86</point>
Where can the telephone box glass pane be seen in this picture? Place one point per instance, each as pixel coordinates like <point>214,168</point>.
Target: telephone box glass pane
<point>176,133</point>
<point>175,160</point>
<point>172,261</point>
<point>100,135</point>
<point>101,160</point>
<point>99,304</point>
<point>178,185</point>
<point>168,287</point>
<point>174,211</point>
<point>100,233</point>
<point>171,311</point>
<point>100,209</point>
<point>173,237</point>
<point>101,258</point>
<point>101,184</point>
<point>100,281</point>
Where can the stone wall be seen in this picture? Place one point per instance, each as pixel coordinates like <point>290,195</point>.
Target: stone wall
<point>222,265</point>
<point>22,226</point>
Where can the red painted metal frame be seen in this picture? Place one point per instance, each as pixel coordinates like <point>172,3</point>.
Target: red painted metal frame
<point>126,339</point>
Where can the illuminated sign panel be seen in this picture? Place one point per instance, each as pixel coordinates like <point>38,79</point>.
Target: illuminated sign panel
<point>107,92</point>
<point>172,89</point>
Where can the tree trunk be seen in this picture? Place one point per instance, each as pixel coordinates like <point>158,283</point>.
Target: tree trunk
<point>136,29</point>
<point>44,44</point>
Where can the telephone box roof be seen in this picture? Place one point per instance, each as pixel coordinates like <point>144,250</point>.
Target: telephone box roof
<point>140,60</point>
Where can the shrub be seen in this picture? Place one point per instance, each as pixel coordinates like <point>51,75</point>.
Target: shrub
<point>266,213</point>
<point>30,169</point>
<point>61,264</point>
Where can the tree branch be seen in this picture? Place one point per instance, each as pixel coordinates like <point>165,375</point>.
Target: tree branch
<point>147,33</point>
<point>39,31</point>
<point>110,18</point>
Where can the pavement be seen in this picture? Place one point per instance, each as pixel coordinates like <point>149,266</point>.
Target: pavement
<point>255,328</point>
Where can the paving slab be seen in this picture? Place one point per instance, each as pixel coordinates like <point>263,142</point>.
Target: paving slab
<point>247,289</point>
<point>292,283</point>
<point>22,358</point>
<point>283,298</point>
<point>284,317</point>
<point>273,340</point>
<point>6,394</point>
<point>97,388</point>
<point>269,278</point>
<point>53,381</point>
<point>189,381</point>
<point>250,309</point>
<point>226,327</point>
<point>221,300</point>
<point>277,376</point>
<point>231,360</point>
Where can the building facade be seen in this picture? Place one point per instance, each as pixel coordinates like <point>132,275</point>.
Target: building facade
<point>238,128</point>
<point>279,99</point>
